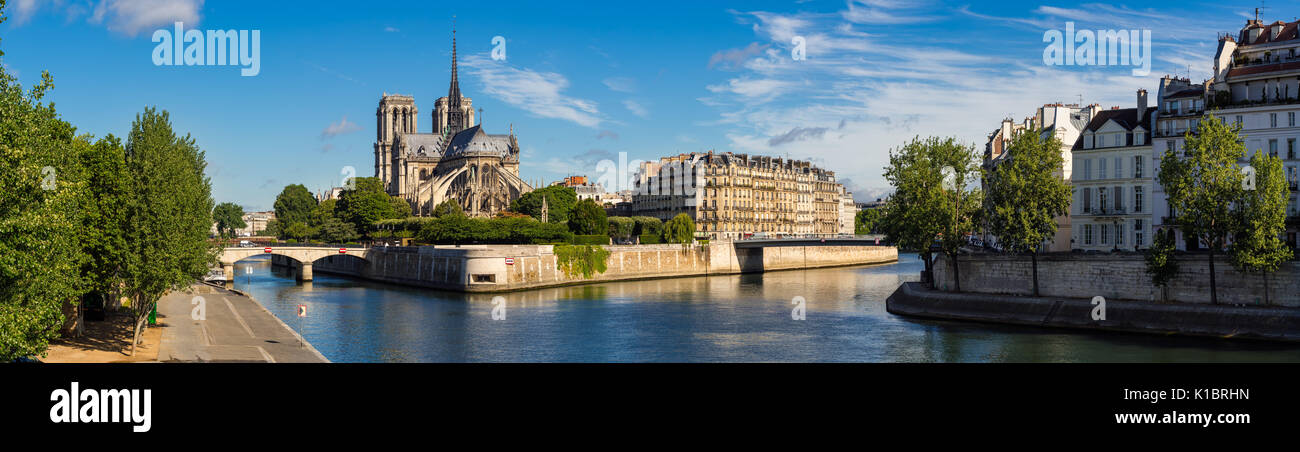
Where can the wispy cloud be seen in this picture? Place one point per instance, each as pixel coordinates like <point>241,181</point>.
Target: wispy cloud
<point>128,17</point>
<point>339,128</point>
<point>620,84</point>
<point>539,93</point>
<point>636,108</point>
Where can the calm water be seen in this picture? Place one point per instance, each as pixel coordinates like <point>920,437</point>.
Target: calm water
<point>744,318</point>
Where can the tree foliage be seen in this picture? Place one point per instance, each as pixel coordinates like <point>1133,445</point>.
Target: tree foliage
<point>1261,212</point>
<point>294,204</point>
<point>448,207</point>
<point>559,201</point>
<point>621,228</point>
<point>585,260</point>
<point>1026,193</point>
<point>679,229</point>
<point>588,218</point>
<point>868,221</point>
<point>367,203</point>
<point>1160,261</point>
<point>229,217</point>
<point>459,229</point>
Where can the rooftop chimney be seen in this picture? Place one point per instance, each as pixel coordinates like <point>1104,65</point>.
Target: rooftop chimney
<point>1142,104</point>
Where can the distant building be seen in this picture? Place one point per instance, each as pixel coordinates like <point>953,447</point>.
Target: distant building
<point>848,212</point>
<point>733,195</point>
<point>1113,181</point>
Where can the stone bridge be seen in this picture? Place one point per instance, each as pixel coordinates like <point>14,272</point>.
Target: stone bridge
<point>304,255</point>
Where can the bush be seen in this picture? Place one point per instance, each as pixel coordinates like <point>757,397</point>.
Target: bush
<point>650,239</point>
<point>455,229</point>
<point>648,225</point>
<point>598,239</point>
<point>621,227</point>
<point>585,260</point>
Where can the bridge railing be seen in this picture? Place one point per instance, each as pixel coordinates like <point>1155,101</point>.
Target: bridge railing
<point>774,236</point>
<point>299,245</point>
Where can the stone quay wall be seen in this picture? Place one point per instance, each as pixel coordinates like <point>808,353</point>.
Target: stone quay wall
<point>1117,277</point>
<point>499,268</point>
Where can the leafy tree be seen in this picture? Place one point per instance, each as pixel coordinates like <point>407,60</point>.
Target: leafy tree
<point>1201,185</point>
<point>1258,247</point>
<point>648,226</point>
<point>679,229</point>
<point>273,228</point>
<point>294,204</point>
<point>367,203</point>
<point>588,218</point>
<point>585,260</point>
<point>105,214</point>
<point>298,231</point>
<point>1026,193</point>
<point>868,221</point>
<point>171,213</point>
<point>334,230</point>
<point>621,228</point>
<point>448,207</point>
<point>322,213</point>
<point>39,222</point>
<point>229,217</point>
<point>559,201</point>
<point>932,198</point>
<point>1160,262</point>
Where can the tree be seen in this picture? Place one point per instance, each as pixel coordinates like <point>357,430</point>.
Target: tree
<point>229,217</point>
<point>1026,193</point>
<point>171,213</point>
<point>294,204</point>
<point>448,207</point>
<point>322,213</point>
<point>648,226</point>
<point>588,218</point>
<point>868,221</point>
<point>680,229</point>
<point>1258,247</point>
<point>298,231</point>
<point>39,222</point>
<point>367,203</point>
<point>621,228</point>
<point>104,239</point>
<point>1160,262</point>
<point>334,230</point>
<point>932,198</point>
<point>559,200</point>
<point>1202,184</point>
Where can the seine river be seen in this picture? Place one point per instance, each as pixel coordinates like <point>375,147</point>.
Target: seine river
<point>740,318</point>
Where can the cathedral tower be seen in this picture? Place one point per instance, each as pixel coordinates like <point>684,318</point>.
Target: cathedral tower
<point>455,112</point>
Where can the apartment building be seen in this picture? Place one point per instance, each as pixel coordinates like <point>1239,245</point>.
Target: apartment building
<point>1112,180</point>
<point>732,195</point>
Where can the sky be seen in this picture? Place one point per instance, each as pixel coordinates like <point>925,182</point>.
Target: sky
<point>582,82</point>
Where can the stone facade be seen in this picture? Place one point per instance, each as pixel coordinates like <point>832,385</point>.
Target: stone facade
<point>1117,277</point>
<point>458,161</point>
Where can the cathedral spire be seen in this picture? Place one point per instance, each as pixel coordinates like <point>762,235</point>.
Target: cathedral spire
<point>453,94</point>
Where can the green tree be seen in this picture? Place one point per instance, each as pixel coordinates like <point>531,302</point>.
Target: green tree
<point>1026,193</point>
<point>367,203</point>
<point>229,217</point>
<point>588,218</point>
<point>273,228</point>
<point>1259,247</point>
<point>294,204</point>
<point>648,226</point>
<point>171,213</point>
<point>559,201</point>
<point>1202,184</point>
<point>621,228</point>
<point>932,198</point>
<point>334,230</point>
<point>448,207</point>
<point>1160,261</point>
<point>299,231</point>
<point>105,215</point>
<point>868,221</point>
<point>39,221</point>
<point>322,213</point>
<point>679,229</point>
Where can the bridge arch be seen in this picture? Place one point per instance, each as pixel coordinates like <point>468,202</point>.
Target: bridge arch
<point>304,256</point>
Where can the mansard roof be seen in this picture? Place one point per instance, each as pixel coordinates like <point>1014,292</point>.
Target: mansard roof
<point>1126,118</point>
<point>475,141</point>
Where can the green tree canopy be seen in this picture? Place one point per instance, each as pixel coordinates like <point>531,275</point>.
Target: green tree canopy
<point>648,226</point>
<point>621,227</point>
<point>679,229</point>
<point>559,201</point>
<point>868,221</point>
<point>588,218</point>
<point>1261,212</point>
<point>294,204</point>
<point>1201,185</point>
<point>1026,193</point>
<point>229,217</point>
<point>367,203</point>
<point>323,212</point>
<point>448,207</point>
<point>334,230</point>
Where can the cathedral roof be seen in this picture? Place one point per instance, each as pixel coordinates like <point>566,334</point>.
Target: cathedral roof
<point>475,141</point>
<point>430,144</point>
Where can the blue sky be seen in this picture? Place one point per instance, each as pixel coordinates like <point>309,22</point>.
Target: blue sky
<point>583,81</point>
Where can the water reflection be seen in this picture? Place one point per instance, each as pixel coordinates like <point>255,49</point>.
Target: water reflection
<point>701,319</point>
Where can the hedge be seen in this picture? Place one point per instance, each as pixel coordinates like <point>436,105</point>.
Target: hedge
<point>598,239</point>
<point>650,239</point>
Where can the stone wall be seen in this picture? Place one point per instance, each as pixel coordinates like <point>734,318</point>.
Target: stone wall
<point>491,268</point>
<point>1117,277</point>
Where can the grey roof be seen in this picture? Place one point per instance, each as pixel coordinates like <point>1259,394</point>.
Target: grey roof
<point>475,141</point>
<point>422,143</point>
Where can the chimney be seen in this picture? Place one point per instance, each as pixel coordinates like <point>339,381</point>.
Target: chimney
<point>1142,104</point>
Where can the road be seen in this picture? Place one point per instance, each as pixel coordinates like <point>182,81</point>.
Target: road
<point>217,325</point>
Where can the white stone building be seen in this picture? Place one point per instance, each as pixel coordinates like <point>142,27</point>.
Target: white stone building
<point>1112,180</point>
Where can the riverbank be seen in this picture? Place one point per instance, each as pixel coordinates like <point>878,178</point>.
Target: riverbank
<point>1222,321</point>
<point>509,268</point>
<point>106,341</point>
<point>213,324</point>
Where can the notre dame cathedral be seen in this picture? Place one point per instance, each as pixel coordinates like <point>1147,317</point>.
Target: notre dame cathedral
<point>457,161</point>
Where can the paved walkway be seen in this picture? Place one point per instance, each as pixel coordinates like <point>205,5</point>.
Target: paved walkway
<point>236,328</point>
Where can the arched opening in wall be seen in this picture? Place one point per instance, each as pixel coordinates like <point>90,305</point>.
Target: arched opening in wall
<point>345,265</point>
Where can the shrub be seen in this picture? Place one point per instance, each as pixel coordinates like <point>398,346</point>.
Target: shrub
<point>598,239</point>
<point>650,239</point>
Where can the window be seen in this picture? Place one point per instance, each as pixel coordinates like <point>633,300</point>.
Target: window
<point>1118,194</point>
<point>1105,235</point>
<point>1290,148</point>
<point>1290,116</point>
<point>1119,234</point>
<point>1119,167</point>
<point>1169,145</point>
<point>1101,168</point>
<point>1137,199</point>
<point>1101,198</point>
<point>1272,148</point>
<point>1137,232</point>
<point>1087,169</point>
<point>1087,200</point>
<point>1087,234</point>
<point>1272,120</point>
<point>1118,140</point>
<point>1137,166</point>
<point>1240,122</point>
<point>1139,139</point>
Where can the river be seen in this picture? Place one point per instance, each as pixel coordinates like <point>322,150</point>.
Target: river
<point>738,318</point>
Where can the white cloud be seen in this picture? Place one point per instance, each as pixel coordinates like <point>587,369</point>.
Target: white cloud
<point>539,93</point>
<point>130,17</point>
<point>620,84</point>
<point>636,108</point>
<point>339,128</point>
